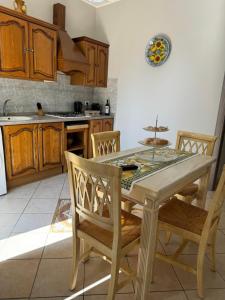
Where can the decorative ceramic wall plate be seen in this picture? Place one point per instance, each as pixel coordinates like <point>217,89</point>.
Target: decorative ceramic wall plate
<point>158,50</point>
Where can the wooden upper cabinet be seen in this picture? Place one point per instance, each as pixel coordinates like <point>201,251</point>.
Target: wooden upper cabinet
<point>50,142</point>
<point>43,52</point>
<point>27,46</point>
<point>97,54</point>
<point>102,66</point>
<point>14,59</point>
<point>91,54</point>
<point>20,150</point>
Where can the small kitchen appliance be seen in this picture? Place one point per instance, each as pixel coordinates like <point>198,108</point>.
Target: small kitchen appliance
<point>78,107</point>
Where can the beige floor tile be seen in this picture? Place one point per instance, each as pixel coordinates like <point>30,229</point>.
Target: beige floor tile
<point>26,245</point>
<point>174,243</point>
<point>17,278</point>
<point>55,298</point>
<point>95,270</point>
<point>23,192</point>
<point>41,206</point>
<point>53,278</point>
<point>188,281</point>
<point>175,295</point>
<point>7,223</point>
<point>103,297</point>
<point>222,221</point>
<point>33,222</point>
<point>65,194</point>
<point>164,276</point>
<point>191,248</point>
<point>220,242</point>
<point>48,191</point>
<point>210,294</point>
<point>58,245</point>
<point>220,264</point>
<point>13,205</point>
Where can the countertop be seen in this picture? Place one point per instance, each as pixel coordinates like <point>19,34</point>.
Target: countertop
<point>50,119</point>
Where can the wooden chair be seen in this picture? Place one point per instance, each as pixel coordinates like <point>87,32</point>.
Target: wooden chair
<point>98,219</point>
<point>193,224</point>
<point>194,143</point>
<point>104,143</point>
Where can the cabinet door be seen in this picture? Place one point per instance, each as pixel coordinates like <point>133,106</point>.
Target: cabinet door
<point>14,58</point>
<point>43,52</point>
<point>102,66</point>
<point>91,54</point>
<point>95,126</point>
<point>20,150</point>
<point>50,143</point>
<point>107,124</point>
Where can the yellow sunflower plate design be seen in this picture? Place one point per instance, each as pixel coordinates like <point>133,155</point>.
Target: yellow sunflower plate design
<point>158,50</point>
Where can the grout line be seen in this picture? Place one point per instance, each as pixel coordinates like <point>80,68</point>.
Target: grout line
<point>23,210</point>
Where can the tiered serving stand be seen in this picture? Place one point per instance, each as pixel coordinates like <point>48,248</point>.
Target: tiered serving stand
<point>155,142</point>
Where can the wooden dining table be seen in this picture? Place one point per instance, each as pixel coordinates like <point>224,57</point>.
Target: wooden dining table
<point>151,192</point>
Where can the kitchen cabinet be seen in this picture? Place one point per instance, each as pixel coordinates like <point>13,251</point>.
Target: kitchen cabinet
<point>107,124</point>
<point>50,143</point>
<point>14,57</point>
<point>27,47</point>
<point>96,126</point>
<point>43,55</point>
<point>31,150</point>
<point>21,150</point>
<point>97,54</point>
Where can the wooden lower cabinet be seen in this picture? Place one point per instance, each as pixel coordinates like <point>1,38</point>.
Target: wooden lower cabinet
<point>96,126</point>
<point>50,142</point>
<point>107,124</point>
<point>21,151</point>
<point>33,151</point>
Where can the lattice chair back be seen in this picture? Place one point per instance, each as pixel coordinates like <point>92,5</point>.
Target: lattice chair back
<point>104,143</point>
<point>195,142</point>
<point>95,192</point>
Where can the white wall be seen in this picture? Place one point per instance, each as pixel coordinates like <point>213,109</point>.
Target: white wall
<point>80,17</point>
<point>185,91</point>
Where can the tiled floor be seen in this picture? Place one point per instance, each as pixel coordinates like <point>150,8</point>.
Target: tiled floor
<point>35,263</point>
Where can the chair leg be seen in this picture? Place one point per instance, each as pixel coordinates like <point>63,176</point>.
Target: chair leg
<point>84,248</point>
<point>76,256</point>
<point>213,252</point>
<point>114,278</point>
<point>200,266</point>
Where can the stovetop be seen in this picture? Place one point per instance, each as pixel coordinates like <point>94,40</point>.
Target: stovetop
<point>67,115</point>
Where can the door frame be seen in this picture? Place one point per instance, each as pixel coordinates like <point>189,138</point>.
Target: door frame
<point>218,132</point>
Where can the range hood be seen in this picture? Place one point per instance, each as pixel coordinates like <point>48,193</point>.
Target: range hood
<point>70,58</point>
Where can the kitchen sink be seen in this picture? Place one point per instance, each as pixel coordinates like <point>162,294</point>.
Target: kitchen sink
<point>15,118</point>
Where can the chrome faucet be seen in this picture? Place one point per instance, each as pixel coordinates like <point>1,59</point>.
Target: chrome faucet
<point>4,106</point>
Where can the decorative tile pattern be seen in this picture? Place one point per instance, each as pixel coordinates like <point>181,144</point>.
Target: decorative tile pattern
<point>54,96</point>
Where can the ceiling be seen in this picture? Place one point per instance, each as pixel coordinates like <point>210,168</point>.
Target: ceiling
<point>99,3</point>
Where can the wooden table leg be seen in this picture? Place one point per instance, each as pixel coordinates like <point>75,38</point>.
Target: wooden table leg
<point>203,189</point>
<point>147,249</point>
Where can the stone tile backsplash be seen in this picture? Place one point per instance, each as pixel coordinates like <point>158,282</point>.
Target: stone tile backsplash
<point>102,94</point>
<point>54,96</point>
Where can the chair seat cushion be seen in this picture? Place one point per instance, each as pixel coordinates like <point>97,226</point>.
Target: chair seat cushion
<point>189,190</point>
<point>130,230</point>
<point>183,215</point>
